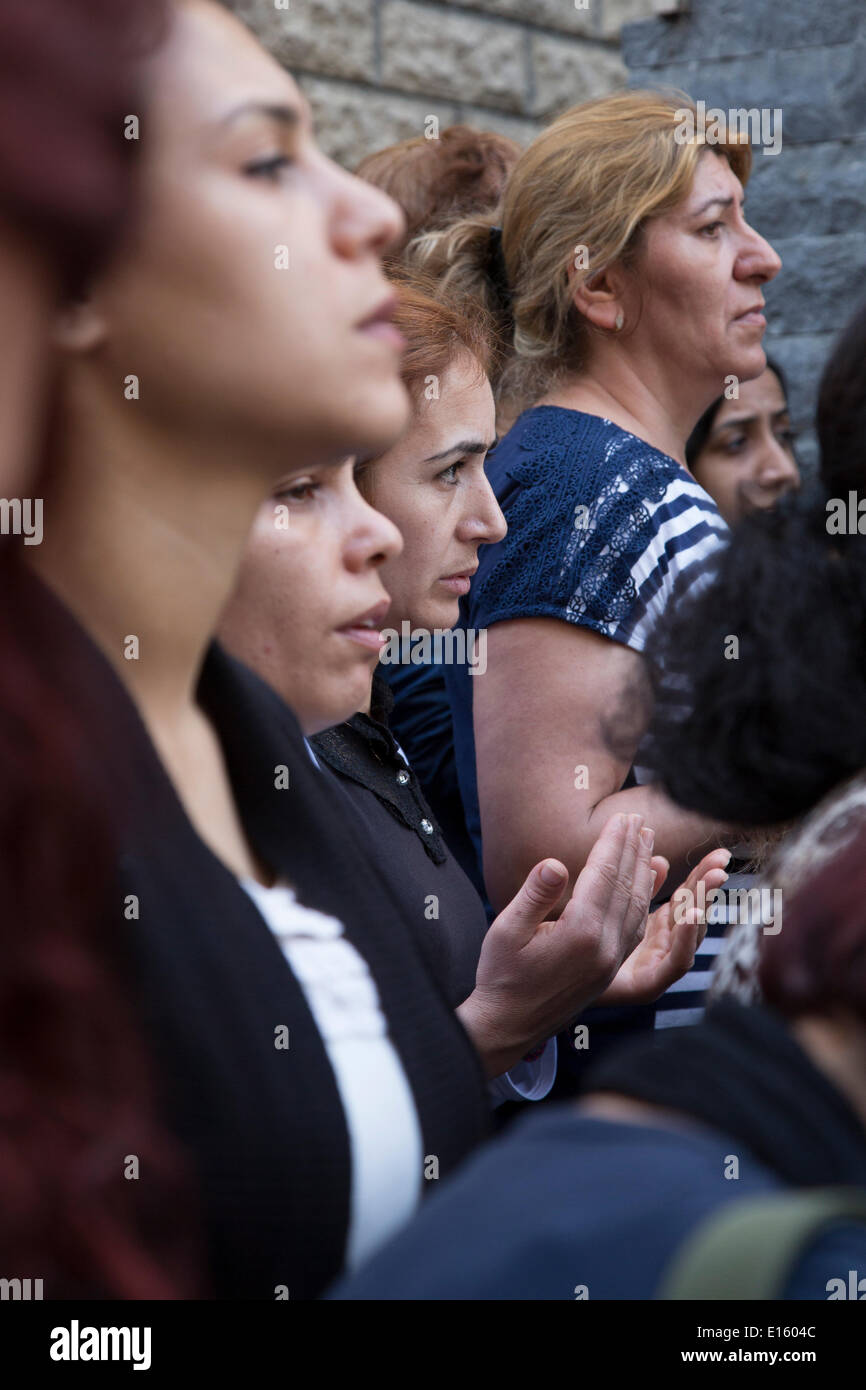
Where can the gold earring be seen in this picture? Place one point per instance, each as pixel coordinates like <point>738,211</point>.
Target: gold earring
<point>619,321</point>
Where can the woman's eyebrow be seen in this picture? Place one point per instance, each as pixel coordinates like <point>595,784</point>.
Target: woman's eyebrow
<point>467,446</point>
<point>288,116</point>
<point>712,202</point>
<point>751,419</point>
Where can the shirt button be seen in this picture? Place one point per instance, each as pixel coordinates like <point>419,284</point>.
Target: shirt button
<point>427,827</point>
<point>402,778</point>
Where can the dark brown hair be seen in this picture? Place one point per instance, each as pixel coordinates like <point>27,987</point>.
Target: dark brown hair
<point>458,174</point>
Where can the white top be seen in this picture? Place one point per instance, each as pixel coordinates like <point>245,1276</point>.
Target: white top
<point>384,1131</point>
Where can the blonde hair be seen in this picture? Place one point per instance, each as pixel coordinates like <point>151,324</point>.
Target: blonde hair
<point>592,179</point>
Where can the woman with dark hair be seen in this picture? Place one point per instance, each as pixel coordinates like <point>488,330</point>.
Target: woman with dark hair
<point>741,451</point>
<point>76,1102</point>
<point>659,1185</point>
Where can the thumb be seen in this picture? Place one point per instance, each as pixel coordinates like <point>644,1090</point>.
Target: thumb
<point>532,904</point>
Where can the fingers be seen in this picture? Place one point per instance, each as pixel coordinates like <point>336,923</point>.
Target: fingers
<point>685,939</point>
<point>661,868</point>
<point>641,892</point>
<point>716,859</point>
<point>599,877</point>
<point>533,903</point>
<point>612,894</point>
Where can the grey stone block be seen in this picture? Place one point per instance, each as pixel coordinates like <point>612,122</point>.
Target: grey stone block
<point>820,92</point>
<point>566,72</point>
<point>326,36</point>
<point>550,14</point>
<point>738,27</point>
<point>614,14</point>
<point>353,121</point>
<point>822,277</point>
<point>804,24</point>
<point>815,190</point>
<point>806,86</point>
<point>515,127</point>
<point>454,55</point>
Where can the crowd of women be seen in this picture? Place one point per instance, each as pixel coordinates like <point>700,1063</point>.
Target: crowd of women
<point>299,944</point>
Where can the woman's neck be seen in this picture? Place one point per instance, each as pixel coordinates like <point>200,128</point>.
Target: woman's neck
<point>641,402</point>
<point>143,536</point>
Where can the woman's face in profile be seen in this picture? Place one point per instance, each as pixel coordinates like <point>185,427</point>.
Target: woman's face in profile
<point>698,289</point>
<point>432,485</point>
<point>310,603</point>
<point>747,460</point>
<point>249,299</point>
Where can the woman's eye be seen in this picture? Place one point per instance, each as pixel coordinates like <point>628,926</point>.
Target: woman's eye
<point>268,168</point>
<point>298,492</point>
<point>711,228</point>
<point>735,444</point>
<point>449,474</point>
<point>787,437</point>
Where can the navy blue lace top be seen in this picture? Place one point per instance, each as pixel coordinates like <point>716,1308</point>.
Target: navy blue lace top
<point>601,526</point>
<point>602,530</point>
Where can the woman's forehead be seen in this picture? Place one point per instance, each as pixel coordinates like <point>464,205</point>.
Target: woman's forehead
<point>212,65</point>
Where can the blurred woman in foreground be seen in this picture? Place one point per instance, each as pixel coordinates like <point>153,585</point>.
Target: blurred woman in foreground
<point>76,1094</point>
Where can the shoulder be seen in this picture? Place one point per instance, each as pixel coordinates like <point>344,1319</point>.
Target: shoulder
<point>601,527</point>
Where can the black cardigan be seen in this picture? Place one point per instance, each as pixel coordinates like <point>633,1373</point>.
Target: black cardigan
<point>386,797</point>
<point>264,1126</point>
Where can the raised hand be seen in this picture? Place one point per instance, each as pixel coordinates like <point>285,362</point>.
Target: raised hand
<point>673,933</point>
<point>535,974</point>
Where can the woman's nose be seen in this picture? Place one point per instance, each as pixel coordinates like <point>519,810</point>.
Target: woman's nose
<point>758,260</point>
<point>484,522</point>
<point>777,465</point>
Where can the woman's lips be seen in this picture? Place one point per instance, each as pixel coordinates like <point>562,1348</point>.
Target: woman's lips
<point>380,324</point>
<point>753,318</point>
<point>365,628</point>
<point>458,583</point>
<point>369,637</point>
<point>385,333</point>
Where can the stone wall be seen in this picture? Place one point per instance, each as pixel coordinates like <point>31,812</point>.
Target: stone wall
<point>808,60</point>
<point>375,69</point>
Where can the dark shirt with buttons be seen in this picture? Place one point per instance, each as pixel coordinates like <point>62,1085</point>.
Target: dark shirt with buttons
<point>365,760</point>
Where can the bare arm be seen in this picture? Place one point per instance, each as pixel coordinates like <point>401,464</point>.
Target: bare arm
<point>547,783</point>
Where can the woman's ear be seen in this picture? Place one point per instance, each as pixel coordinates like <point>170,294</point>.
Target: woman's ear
<point>78,327</point>
<point>600,299</point>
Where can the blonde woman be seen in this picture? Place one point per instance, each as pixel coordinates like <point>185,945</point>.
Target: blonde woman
<point>630,287</point>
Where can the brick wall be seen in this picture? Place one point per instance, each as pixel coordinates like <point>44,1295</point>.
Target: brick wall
<point>809,60</point>
<point>375,69</point>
